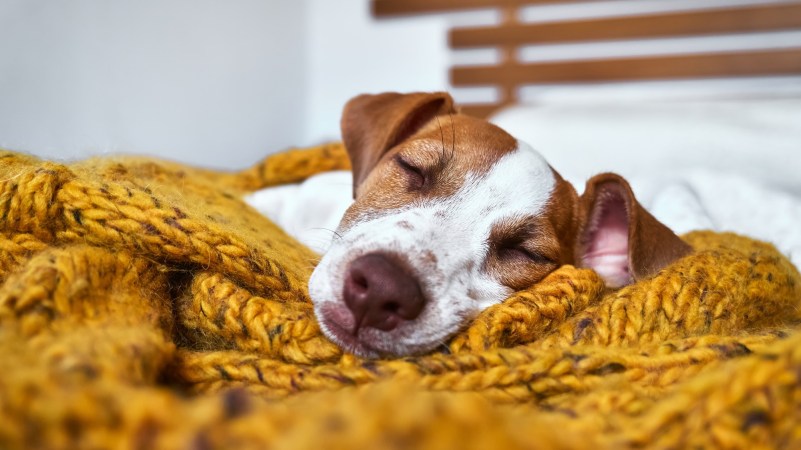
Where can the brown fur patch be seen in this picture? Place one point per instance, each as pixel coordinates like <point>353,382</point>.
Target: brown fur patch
<point>428,257</point>
<point>549,237</point>
<point>446,150</point>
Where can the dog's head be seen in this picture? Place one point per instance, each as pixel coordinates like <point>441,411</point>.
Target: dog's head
<point>451,215</point>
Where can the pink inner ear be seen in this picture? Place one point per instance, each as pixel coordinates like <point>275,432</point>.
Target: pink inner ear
<point>607,251</point>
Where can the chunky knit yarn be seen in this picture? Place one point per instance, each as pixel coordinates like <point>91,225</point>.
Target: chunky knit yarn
<point>144,305</point>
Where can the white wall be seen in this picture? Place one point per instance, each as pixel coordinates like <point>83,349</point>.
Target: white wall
<point>350,52</point>
<point>216,83</point>
<point>223,83</point>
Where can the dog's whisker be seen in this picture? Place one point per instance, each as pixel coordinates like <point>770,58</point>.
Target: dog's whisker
<point>453,136</point>
<point>441,135</point>
<point>334,232</point>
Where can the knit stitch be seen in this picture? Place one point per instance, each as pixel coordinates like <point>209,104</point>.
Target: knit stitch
<point>144,305</point>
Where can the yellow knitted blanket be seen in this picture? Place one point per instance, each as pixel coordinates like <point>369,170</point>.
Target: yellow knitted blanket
<point>144,305</point>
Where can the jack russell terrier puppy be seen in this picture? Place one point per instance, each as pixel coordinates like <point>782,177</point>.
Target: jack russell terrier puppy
<point>452,215</point>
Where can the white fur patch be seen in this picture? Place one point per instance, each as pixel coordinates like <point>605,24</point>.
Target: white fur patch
<point>445,242</point>
<point>309,211</point>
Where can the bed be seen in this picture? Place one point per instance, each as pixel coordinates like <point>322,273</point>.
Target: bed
<point>144,305</point>
<point>699,106</point>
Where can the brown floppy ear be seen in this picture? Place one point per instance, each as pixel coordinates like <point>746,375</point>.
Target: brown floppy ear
<point>618,238</point>
<point>373,124</point>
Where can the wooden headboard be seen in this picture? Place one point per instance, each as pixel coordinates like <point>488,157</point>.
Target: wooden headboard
<point>509,74</point>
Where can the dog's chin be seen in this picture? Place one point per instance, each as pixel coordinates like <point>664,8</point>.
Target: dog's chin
<point>336,323</point>
<point>346,340</point>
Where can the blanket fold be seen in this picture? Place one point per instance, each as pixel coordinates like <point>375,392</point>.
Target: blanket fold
<point>144,305</point>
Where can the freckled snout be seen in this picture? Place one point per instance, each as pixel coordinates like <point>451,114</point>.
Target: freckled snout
<point>380,293</point>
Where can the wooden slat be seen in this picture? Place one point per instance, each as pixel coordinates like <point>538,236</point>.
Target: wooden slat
<point>508,56</point>
<point>727,20</point>
<point>387,8</point>
<point>764,62</point>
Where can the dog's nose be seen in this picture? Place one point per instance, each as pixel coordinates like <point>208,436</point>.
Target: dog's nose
<point>380,294</point>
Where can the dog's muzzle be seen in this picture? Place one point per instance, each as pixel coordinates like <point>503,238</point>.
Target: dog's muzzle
<point>380,293</point>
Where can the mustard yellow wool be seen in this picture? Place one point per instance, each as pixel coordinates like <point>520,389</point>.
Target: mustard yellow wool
<point>144,305</point>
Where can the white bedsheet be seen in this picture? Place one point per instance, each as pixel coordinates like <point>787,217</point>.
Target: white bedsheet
<point>704,199</point>
<point>722,165</point>
<point>758,139</point>
<point>725,165</point>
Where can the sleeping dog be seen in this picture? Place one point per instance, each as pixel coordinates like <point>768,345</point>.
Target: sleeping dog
<point>451,215</point>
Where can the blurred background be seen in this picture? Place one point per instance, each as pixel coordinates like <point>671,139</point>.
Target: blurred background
<point>222,84</point>
<point>214,83</point>
<point>697,103</point>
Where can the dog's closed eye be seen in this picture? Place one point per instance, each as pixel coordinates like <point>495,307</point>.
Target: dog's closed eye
<point>417,178</point>
<point>519,257</point>
<point>518,250</point>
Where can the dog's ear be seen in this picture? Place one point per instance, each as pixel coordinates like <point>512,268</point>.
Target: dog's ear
<point>373,124</point>
<point>618,238</point>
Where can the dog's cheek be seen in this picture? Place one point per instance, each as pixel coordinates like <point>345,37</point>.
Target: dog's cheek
<point>326,277</point>
<point>318,291</point>
<point>487,291</point>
